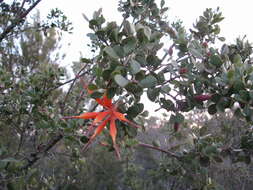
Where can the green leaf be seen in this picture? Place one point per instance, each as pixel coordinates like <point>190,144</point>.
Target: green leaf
<point>131,142</point>
<point>147,32</point>
<point>141,59</point>
<point>92,87</point>
<point>230,74</point>
<point>166,88</point>
<point>237,59</point>
<point>156,143</point>
<point>135,67</point>
<point>129,44</point>
<point>96,95</point>
<point>162,3</point>
<point>215,60</point>
<point>119,51</point>
<point>84,139</point>
<point>212,109</point>
<point>209,150</point>
<point>129,27</point>
<point>148,82</point>
<point>196,53</point>
<point>135,110</point>
<point>131,131</point>
<point>153,61</point>
<point>167,104</point>
<point>107,74</point>
<point>222,39</point>
<point>178,118</point>
<point>134,88</point>
<point>140,75</point>
<point>110,51</point>
<point>144,34</point>
<point>85,60</point>
<point>120,80</point>
<point>153,93</point>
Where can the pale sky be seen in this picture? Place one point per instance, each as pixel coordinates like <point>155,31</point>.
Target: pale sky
<point>238,20</point>
<point>238,17</point>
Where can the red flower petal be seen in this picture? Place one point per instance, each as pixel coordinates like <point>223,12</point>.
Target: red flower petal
<point>101,116</point>
<point>88,115</point>
<point>106,102</point>
<point>120,116</point>
<point>113,130</point>
<point>113,133</point>
<point>98,130</point>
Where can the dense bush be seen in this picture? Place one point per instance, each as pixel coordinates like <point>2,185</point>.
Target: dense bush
<point>184,72</point>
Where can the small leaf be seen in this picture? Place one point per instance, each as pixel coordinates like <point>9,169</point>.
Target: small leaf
<point>109,51</point>
<point>212,109</point>
<point>135,67</point>
<point>129,44</point>
<point>96,95</point>
<point>222,39</point>
<point>92,87</point>
<point>178,118</point>
<point>134,88</point>
<point>144,34</point>
<point>147,32</point>
<point>156,143</point>
<point>162,3</point>
<point>85,60</point>
<point>167,104</point>
<point>129,27</point>
<point>237,59</point>
<point>131,142</point>
<point>135,110</point>
<point>148,82</point>
<point>196,53</point>
<point>215,60</point>
<point>119,51</point>
<point>84,139</point>
<point>120,80</point>
<point>106,74</point>
<point>153,93</point>
<point>166,88</point>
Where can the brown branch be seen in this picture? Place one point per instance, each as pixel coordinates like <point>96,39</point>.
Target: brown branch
<point>72,85</point>
<point>159,149</point>
<point>34,157</point>
<point>18,20</point>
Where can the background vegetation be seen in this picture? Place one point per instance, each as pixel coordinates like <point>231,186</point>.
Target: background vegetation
<point>204,141</point>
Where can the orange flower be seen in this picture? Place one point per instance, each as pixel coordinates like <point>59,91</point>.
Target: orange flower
<point>109,115</point>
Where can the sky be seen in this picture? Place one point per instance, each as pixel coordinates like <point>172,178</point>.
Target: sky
<point>238,19</point>
<point>237,22</point>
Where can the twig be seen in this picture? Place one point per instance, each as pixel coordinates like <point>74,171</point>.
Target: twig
<point>159,149</point>
<point>36,156</point>
<point>71,86</point>
<point>18,20</point>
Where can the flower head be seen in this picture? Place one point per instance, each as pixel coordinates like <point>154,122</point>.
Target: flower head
<point>109,115</point>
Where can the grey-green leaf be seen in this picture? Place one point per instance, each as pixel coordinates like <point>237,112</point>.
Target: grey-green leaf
<point>135,67</point>
<point>196,53</point>
<point>109,51</point>
<point>148,82</point>
<point>120,80</point>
